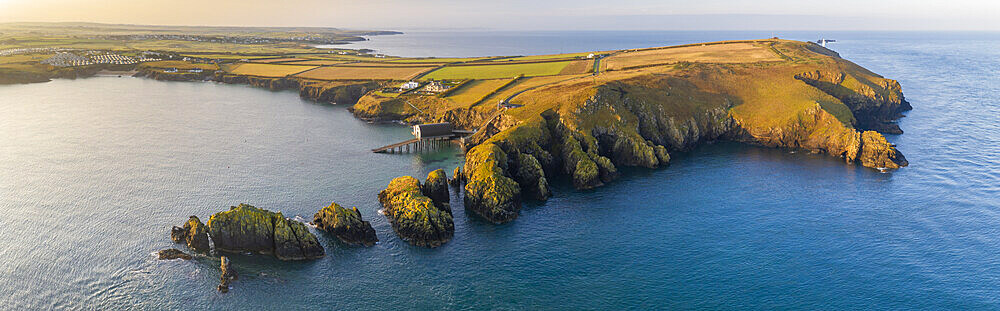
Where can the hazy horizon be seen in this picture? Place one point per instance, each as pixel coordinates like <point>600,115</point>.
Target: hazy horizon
<point>522,14</point>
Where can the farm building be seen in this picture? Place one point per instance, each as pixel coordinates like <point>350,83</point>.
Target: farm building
<point>408,86</point>
<point>433,130</point>
<point>436,87</point>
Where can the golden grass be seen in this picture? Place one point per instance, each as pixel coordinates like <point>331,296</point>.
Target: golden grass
<point>436,60</point>
<point>180,65</point>
<point>475,90</point>
<point>227,56</point>
<point>497,71</point>
<point>385,64</point>
<point>268,70</point>
<point>714,53</point>
<point>317,62</point>
<point>364,73</point>
<point>529,83</point>
<point>546,57</point>
<point>24,58</point>
<point>275,60</point>
<point>578,67</point>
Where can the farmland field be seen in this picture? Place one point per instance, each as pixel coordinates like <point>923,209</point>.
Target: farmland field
<point>318,62</point>
<point>545,57</point>
<point>497,71</point>
<point>578,67</point>
<point>275,60</point>
<point>227,56</point>
<point>363,73</point>
<point>436,60</point>
<point>268,70</point>
<point>475,90</point>
<point>24,58</point>
<point>180,65</point>
<point>527,83</point>
<point>387,64</point>
<point>718,53</point>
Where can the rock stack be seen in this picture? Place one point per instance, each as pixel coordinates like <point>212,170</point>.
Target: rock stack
<point>228,275</point>
<point>415,217</point>
<point>246,228</point>
<point>346,224</point>
<point>193,233</point>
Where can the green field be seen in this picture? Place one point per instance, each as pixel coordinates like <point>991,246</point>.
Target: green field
<point>496,71</point>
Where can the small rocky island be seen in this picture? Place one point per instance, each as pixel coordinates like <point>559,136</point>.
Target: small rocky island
<point>246,228</point>
<point>346,224</point>
<point>415,217</point>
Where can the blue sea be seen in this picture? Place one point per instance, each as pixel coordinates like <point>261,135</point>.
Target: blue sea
<point>94,172</point>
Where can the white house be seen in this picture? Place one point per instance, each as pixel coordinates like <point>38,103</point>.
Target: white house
<point>408,86</point>
<point>591,55</point>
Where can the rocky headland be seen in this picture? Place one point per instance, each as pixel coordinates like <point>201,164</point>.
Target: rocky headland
<point>587,129</point>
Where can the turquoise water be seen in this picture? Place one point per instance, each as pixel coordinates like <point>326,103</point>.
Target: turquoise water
<point>93,173</point>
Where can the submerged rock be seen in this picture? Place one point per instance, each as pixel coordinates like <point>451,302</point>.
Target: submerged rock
<point>436,188</point>
<point>194,234</point>
<point>228,275</point>
<point>247,228</point>
<point>414,216</point>
<point>346,224</point>
<point>173,253</point>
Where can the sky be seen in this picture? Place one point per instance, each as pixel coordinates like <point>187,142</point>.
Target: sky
<point>524,14</point>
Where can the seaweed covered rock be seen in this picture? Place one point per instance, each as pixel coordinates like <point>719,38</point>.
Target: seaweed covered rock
<point>228,274</point>
<point>436,188</point>
<point>488,192</point>
<point>193,233</point>
<point>173,253</point>
<point>414,216</point>
<point>346,224</point>
<point>579,165</point>
<point>248,228</point>
<point>662,155</point>
<point>531,177</point>
<point>456,177</point>
<point>876,152</point>
<point>293,241</point>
